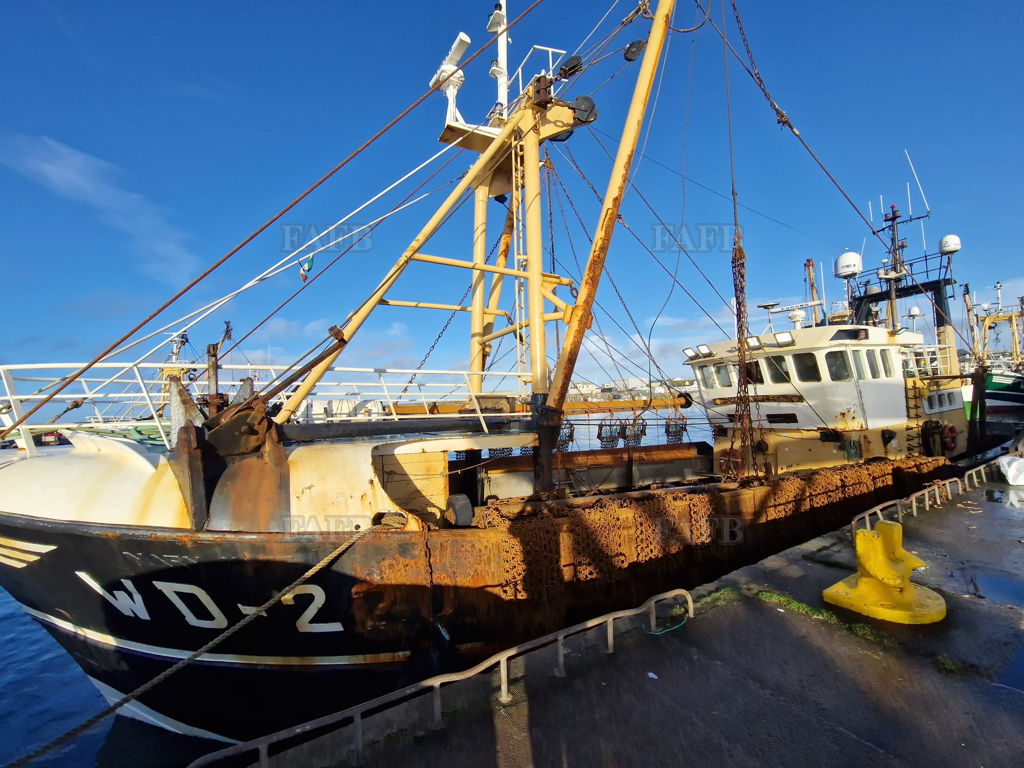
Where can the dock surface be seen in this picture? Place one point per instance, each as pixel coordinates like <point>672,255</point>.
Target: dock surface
<point>766,673</point>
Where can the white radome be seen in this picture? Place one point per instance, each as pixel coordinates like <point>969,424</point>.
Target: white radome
<point>848,265</point>
<point>949,244</point>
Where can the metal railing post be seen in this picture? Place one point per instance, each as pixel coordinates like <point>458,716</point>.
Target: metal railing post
<point>28,444</point>
<point>357,735</point>
<point>476,404</point>
<point>438,714</point>
<point>504,697</point>
<point>152,408</point>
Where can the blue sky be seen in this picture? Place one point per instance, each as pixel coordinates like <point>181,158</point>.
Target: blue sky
<point>139,142</point>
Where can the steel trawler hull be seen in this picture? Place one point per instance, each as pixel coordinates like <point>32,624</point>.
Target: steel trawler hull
<point>1004,396</point>
<point>128,602</point>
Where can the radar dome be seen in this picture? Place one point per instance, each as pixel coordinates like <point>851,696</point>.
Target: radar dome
<point>848,265</point>
<point>949,244</point>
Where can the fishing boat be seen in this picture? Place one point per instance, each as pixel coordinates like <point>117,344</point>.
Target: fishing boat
<point>1000,399</point>
<point>855,384</point>
<point>230,549</point>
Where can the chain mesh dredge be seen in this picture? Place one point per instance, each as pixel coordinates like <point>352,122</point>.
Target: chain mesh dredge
<point>546,544</point>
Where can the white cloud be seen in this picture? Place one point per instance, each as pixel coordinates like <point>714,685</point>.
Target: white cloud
<point>158,246</point>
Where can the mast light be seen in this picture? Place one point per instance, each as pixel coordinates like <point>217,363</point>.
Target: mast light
<point>496,22</point>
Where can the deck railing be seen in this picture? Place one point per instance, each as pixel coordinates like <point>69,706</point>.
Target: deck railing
<point>260,747</point>
<point>124,397</point>
<point>934,493</point>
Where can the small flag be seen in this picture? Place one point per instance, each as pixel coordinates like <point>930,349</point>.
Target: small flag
<point>305,266</point>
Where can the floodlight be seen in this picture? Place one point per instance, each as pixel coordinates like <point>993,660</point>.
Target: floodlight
<point>784,339</point>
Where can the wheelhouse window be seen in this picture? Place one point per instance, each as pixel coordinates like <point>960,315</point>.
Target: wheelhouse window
<point>754,374</point>
<point>873,364</point>
<point>723,375</point>
<point>858,364</point>
<point>806,366</point>
<point>706,379</point>
<point>778,369</point>
<point>886,356</point>
<point>838,364</point>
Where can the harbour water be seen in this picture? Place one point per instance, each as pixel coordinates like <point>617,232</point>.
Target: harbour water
<point>43,693</point>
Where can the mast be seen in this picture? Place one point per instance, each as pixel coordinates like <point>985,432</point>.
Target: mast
<point>809,267</point>
<point>583,314</point>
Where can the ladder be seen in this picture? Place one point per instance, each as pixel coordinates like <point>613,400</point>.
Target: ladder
<point>914,398</point>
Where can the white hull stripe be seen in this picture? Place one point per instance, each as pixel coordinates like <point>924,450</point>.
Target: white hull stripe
<point>139,711</point>
<point>217,658</point>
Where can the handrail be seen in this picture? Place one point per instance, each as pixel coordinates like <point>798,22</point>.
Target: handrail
<point>136,395</point>
<point>435,684</point>
<point>925,494</point>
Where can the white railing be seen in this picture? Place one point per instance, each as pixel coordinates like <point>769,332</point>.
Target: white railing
<point>353,716</point>
<point>129,396</point>
<point>933,493</point>
<point>927,360</point>
<point>553,56</point>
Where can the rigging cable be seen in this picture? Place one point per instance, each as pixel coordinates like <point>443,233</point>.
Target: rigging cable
<point>650,252</point>
<point>206,648</point>
<point>615,287</point>
<point>667,229</point>
<point>785,121</point>
<point>259,230</point>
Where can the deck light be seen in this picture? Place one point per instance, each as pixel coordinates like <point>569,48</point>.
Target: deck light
<point>496,21</point>
<point>784,339</point>
<point>705,350</point>
<point>690,353</point>
<point>753,342</point>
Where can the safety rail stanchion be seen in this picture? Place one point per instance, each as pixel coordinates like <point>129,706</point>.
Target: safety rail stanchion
<point>357,732</point>
<point>476,404</point>
<point>152,409</point>
<point>610,633</point>
<point>504,697</point>
<point>387,394</point>
<point>438,714</point>
<point>560,667</point>
<point>28,443</point>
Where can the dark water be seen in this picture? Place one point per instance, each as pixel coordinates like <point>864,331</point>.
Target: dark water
<point>44,693</point>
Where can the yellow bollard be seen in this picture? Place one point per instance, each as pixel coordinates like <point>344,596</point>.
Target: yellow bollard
<point>881,588</point>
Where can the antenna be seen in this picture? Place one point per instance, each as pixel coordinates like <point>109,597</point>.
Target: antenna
<point>910,204</point>
<point>448,76</point>
<point>498,22</point>
<point>871,212</point>
<point>927,208</point>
